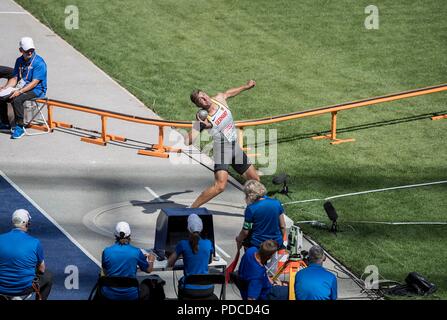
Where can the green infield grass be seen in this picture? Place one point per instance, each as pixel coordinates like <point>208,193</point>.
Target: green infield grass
<point>303,54</point>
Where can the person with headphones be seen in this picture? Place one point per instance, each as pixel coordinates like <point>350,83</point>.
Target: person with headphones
<point>22,266</point>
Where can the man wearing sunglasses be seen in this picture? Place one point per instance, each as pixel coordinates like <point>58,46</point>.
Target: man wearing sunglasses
<point>29,81</point>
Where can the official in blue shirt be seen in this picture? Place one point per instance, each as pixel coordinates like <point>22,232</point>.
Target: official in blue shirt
<point>122,260</point>
<point>197,254</point>
<point>315,282</point>
<point>255,283</point>
<point>22,266</point>
<point>29,81</point>
<point>264,217</point>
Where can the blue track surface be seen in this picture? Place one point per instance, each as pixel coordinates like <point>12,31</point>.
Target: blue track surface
<point>58,249</point>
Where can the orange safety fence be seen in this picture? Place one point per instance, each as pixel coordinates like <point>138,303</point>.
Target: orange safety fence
<point>157,150</point>
<point>161,150</point>
<point>333,109</point>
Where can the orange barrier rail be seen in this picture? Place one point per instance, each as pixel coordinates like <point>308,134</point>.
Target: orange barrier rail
<point>161,150</point>
<point>333,109</point>
<point>158,150</point>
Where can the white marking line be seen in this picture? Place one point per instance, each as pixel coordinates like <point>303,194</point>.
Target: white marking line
<point>222,251</point>
<point>401,223</point>
<point>370,191</point>
<point>13,12</point>
<point>156,196</point>
<point>73,240</point>
<point>303,201</point>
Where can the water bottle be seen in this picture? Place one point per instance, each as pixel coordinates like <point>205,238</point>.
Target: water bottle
<point>28,111</point>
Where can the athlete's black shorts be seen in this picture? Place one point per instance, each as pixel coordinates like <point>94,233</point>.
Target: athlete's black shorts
<point>228,154</point>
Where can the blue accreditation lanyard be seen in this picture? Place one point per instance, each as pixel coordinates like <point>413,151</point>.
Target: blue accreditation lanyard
<point>29,67</point>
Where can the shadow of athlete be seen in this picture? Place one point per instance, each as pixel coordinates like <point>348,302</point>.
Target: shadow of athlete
<point>226,149</point>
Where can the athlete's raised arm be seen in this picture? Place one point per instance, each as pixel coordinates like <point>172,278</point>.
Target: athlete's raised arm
<point>223,96</point>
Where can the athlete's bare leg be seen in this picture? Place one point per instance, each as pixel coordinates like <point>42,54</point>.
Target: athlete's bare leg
<point>220,183</point>
<point>251,174</point>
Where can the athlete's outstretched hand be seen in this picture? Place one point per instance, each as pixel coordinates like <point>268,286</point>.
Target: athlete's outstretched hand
<point>251,84</point>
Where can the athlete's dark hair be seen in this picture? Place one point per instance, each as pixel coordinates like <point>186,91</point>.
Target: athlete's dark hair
<point>194,238</point>
<point>195,96</point>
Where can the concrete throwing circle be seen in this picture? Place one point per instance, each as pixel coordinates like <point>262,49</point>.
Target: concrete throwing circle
<point>142,218</point>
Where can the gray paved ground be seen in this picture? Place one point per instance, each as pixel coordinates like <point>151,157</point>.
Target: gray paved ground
<point>87,188</point>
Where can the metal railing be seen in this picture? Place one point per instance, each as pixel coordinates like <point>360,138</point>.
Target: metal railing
<point>161,150</point>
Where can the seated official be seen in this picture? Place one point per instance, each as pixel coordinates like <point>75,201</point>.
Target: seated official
<point>29,80</point>
<point>22,266</point>
<point>197,254</point>
<point>263,217</point>
<point>315,282</point>
<point>256,285</point>
<point>121,260</point>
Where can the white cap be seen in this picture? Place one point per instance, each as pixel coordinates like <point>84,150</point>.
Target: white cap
<point>20,218</point>
<point>194,223</point>
<point>26,43</point>
<point>122,227</point>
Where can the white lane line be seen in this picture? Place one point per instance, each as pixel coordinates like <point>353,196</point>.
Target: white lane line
<point>386,189</point>
<point>370,191</point>
<point>402,223</point>
<point>13,12</point>
<point>222,251</point>
<point>156,196</point>
<point>303,201</point>
<point>69,236</point>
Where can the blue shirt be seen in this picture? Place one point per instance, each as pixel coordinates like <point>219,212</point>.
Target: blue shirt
<point>122,261</point>
<point>195,263</point>
<point>264,217</point>
<point>20,255</point>
<point>33,69</point>
<point>315,283</point>
<point>255,275</point>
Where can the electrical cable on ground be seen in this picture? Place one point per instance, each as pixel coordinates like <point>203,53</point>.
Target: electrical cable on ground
<point>369,191</point>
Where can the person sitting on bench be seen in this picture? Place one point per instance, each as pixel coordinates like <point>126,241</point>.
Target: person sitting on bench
<point>252,273</point>
<point>197,254</point>
<point>22,266</point>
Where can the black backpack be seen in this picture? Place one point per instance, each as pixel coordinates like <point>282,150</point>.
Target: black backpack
<point>419,285</point>
<point>415,285</point>
<point>156,287</point>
